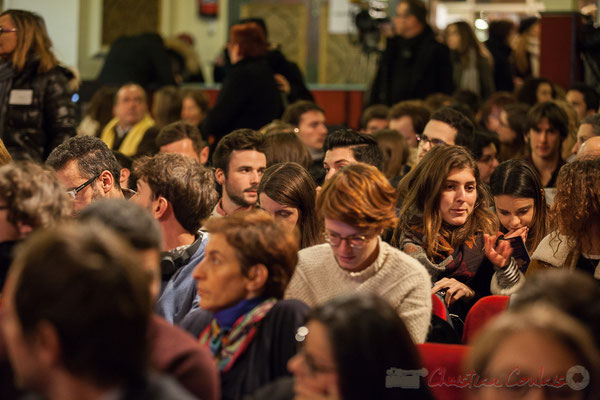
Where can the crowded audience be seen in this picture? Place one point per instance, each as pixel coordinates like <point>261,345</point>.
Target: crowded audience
<point>168,242</point>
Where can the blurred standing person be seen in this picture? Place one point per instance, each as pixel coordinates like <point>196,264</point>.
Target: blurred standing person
<point>414,64</point>
<point>37,113</point>
<point>471,61</point>
<point>526,50</point>
<point>498,44</point>
<point>249,97</point>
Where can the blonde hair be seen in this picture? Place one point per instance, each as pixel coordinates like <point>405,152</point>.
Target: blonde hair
<point>5,157</point>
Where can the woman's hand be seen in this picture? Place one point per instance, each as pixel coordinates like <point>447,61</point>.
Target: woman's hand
<point>454,290</point>
<point>499,255</point>
<point>522,231</point>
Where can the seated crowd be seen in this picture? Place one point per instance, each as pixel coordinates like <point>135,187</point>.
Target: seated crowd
<point>251,251</point>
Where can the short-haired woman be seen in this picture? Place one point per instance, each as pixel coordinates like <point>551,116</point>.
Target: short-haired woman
<point>445,224</point>
<point>358,205</point>
<point>249,261</point>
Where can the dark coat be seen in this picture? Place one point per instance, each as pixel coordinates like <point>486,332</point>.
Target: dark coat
<point>142,59</point>
<point>265,359</point>
<point>503,70</point>
<point>249,98</point>
<point>412,69</point>
<point>32,131</point>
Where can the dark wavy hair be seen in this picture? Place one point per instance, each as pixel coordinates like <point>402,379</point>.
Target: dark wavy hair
<point>368,338</point>
<point>517,178</point>
<point>291,185</point>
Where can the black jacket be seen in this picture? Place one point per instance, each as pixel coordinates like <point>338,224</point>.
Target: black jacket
<point>249,98</point>
<point>142,59</point>
<point>503,70</point>
<point>265,359</point>
<point>32,131</point>
<point>412,69</point>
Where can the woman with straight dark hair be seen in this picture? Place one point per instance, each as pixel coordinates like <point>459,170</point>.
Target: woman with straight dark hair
<point>288,192</point>
<point>36,111</point>
<point>519,202</point>
<point>446,225</point>
<point>340,357</point>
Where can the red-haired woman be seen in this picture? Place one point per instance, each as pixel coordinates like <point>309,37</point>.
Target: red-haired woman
<point>358,204</point>
<point>249,97</point>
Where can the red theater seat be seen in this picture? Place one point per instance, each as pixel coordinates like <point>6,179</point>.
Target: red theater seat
<point>444,365</point>
<point>481,313</point>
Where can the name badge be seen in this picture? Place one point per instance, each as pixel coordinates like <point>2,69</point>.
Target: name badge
<point>21,97</point>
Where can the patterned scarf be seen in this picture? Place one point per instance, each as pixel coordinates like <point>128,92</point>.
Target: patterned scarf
<point>227,345</point>
<point>460,263</point>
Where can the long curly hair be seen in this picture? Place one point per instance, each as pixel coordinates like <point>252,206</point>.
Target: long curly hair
<point>420,192</point>
<point>576,207</point>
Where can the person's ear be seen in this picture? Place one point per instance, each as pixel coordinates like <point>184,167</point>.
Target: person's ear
<point>47,344</point>
<point>204,153</point>
<point>107,181</point>
<point>160,207</point>
<point>257,279</point>
<point>124,178</point>
<point>220,176</point>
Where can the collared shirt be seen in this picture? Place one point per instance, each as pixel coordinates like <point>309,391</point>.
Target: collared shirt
<point>221,212</point>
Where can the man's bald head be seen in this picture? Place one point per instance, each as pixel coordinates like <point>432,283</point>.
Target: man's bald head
<point>589,149</point>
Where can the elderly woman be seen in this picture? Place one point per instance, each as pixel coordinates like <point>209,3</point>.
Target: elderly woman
<point>446,225</point>
<point>249,97</point>
<point>249,261</point>
<point>358,204</point>
<point>36,112</point>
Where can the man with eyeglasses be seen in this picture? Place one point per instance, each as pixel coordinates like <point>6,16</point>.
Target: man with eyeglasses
<point>358,204</point>
<point>88,169</point>
<point>446,126</point>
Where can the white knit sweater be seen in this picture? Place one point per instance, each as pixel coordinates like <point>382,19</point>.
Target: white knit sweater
<point>396,277</point>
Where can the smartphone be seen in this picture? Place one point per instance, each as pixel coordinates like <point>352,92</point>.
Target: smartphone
<point>519,252</point>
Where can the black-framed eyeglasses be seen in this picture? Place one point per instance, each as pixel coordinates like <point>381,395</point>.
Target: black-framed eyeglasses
<point>3,29</point>
<point>3,207</point>
<point>73,192</point>
<point>425,139</point>
<point>354,241</point>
